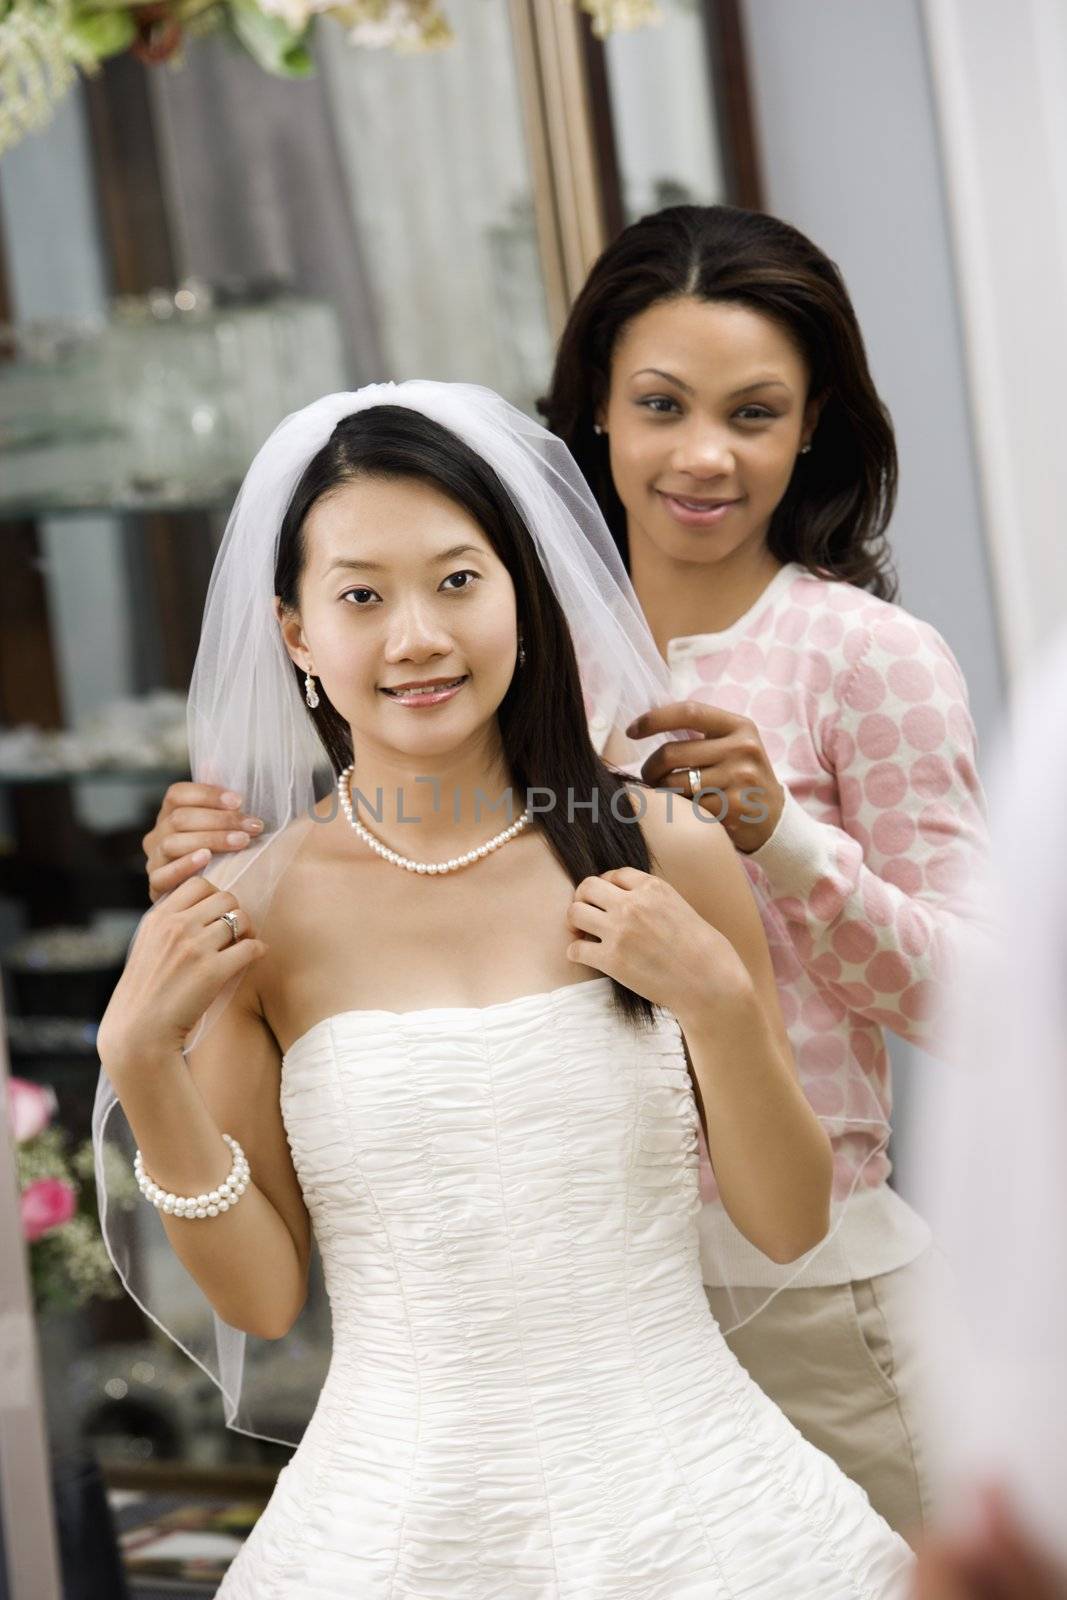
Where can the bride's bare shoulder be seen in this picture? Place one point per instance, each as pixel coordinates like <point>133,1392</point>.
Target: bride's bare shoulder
<point>686,842</point>
<point>309,911</point>
<point>693,852</point>
<point>315,835</point>
<point>308,847</point>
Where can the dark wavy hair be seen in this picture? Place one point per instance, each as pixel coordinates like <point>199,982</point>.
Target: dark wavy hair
<point>833,516</point>
<point>542,717</point>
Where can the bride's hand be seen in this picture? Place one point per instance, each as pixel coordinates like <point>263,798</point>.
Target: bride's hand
<point>181,959</point>
<point>638,929</point>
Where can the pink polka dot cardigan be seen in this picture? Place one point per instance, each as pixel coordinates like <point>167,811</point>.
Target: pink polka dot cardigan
<point>864,885</point>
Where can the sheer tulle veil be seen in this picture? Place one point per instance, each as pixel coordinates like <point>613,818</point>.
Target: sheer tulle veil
<point>249,730</point>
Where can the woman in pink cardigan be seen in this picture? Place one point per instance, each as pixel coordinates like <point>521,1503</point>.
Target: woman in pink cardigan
<point>713,386</point>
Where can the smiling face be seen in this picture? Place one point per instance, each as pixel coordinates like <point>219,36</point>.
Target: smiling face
<point>706,412</point>
<point>401,587</point>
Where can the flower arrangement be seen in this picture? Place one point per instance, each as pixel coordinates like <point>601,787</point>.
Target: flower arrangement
<point>68,1262</point>
<point>44,43</point>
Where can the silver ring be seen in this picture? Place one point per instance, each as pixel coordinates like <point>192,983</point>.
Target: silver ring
<point>230,919</point>
<point>694,782</point>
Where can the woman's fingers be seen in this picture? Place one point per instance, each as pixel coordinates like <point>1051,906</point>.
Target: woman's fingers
<point>198,895</point>
<point>171,846</point>
<point>1016,1560</point>
<point>693,716</point>
<point>589,952</point>
<point>713,775</point>
<point>940,1575</point>
<point>194,816</point>
<point>994,1561</point>
<point>207,819</point>
<point>164,880</point>
<point>210,795</point>
<point>624,878</point>
<point>191,893</point>
<point>676,757</point>
<point>220,930</point>
<point>582,918</point>
<point>210,907</point>
<point>239,956</point>
<point>598,892</point>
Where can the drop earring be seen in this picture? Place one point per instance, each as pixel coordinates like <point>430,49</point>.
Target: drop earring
<point>310,694</point>
<point>522,652</point>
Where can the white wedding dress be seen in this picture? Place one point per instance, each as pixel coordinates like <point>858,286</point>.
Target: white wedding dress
<point>529,1398</point>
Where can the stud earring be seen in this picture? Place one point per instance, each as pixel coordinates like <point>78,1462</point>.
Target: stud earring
<point>310,694</point>
<point>804,449</point>
<point>597,428</point>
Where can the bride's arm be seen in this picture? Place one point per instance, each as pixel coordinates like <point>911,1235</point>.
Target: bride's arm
<point>772,1159</point>
<point>252,1260</point>
<point>688,936</point>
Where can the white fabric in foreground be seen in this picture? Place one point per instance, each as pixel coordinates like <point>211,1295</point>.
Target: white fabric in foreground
<point>989,1133</point>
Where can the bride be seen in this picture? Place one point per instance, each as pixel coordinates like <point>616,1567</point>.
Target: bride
<point>480,1097</point>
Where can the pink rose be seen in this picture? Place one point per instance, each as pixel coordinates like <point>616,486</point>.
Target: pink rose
<point>45,1205</point>
<point>30,1107</point>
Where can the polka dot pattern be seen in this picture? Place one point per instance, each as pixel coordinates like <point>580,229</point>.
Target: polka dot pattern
<point>864,716</point>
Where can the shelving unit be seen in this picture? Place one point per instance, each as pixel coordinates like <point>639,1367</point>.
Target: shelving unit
<point>57,869</point>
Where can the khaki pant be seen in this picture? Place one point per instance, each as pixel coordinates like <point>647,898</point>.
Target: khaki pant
<point>844,1364</point>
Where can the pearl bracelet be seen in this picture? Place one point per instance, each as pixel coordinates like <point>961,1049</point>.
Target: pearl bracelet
<point>201,1205</point>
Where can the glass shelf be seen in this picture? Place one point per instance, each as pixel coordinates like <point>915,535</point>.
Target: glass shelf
<point>156,776</point>
<point>215,502</point>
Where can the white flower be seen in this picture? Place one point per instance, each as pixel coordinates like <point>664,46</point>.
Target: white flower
<point>31,1107</point>
<point>396,24</point>
<point>295,13</point>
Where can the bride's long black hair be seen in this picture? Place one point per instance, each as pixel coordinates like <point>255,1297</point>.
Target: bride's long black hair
<point>542,716</point>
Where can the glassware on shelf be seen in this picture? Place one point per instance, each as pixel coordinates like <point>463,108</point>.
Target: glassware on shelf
<point>177,438</point>
<point>38,1037</point>
<point>67,971</point>
<point>133,736</point>
<point>162,403</point>
<point>60,419</point>
<point>292,342</point>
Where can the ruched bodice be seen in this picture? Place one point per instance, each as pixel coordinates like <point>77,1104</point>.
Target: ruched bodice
<point>528,1397</point>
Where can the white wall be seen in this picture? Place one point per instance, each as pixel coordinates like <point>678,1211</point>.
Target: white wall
<point>850,154</point>
<point>1000,83</point>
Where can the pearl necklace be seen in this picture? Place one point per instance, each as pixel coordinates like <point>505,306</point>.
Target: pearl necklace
<point>344,794</point>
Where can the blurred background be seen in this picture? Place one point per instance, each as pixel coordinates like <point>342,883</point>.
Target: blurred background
<point>204,232</point>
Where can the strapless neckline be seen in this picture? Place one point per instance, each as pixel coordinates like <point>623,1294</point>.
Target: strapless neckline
<point>441,1011</point>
